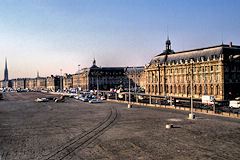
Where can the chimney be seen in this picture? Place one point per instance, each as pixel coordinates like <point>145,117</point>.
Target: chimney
<point>230,44</point>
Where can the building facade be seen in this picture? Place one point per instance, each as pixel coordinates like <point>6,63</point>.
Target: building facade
<point>102,78</point>
<point>206,71</point>
<point>53,83</point>
<point>136,76</point>
<point>41,83</point>
<point>67,81</point>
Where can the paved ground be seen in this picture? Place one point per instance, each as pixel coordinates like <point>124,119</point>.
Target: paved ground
<point>77,130</point>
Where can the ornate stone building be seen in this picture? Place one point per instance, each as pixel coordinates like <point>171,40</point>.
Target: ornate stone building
<point>53,83</point>
<point>209,71</point>
<point>67,81</point>
<point>41,83</point>
<point>103,77</point>
<point>137,77</point>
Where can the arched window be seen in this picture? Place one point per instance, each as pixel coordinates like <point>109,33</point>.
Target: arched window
<point>218,89</point>
<point>175,89</point>
<point>188,90</point>
<point>179,89</point>
<point>184,90</point>
<point>195,89</point>
<point>205,90</point>
<point>211,90</point>
<point>156,89</point>
<point>200,89</point>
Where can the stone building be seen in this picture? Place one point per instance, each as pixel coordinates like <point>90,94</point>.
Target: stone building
<point>19,83</point>
<point>208,71</point>
<point>4,84</point>
<point>41,83</point>
<point>30,83</point>
<point>103,77</point>
<point>53,83</point>
<point>67,81</point>
<point>137,77</point>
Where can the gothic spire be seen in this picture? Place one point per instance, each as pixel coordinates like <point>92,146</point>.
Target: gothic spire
<point>6,71</point>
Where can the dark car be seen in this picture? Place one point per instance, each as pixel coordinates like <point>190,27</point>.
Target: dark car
<point>1,96</point>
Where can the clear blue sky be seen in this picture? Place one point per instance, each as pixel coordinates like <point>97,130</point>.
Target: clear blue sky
<point>47,35</point>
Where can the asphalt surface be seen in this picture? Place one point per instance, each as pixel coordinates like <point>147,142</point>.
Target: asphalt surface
<point>78,130</point>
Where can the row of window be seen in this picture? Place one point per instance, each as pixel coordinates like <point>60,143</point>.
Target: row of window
<point>177,78</point>
<point>185,89</point>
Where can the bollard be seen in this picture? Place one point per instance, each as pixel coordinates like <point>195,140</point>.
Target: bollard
<point>129,105</point>
<point>168,126</point>
<point>191,116</point>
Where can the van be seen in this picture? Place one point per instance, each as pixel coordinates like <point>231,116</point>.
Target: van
<point>234,104</point>
<point>209,100</point>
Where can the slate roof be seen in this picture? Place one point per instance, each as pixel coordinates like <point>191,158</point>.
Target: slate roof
<point>196,54</point>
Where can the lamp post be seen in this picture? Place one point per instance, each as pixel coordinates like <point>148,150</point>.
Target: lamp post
<point>78,78</point>
<point>135,80</point>
<point>60,80</point>
<point>191,115</point>
<point>129,94</point>
<point>97,84</point>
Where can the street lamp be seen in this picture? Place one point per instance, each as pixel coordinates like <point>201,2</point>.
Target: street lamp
<point>135,80</point>
<point>78,78</point>
<point>129,94</point>
<point>191,115</point>
<point>60,80</point>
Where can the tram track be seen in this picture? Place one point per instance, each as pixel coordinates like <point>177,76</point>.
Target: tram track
<point>81,141</point>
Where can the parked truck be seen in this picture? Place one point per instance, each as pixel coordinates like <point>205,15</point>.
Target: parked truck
<point>208,100</point>
<point>234,104</point>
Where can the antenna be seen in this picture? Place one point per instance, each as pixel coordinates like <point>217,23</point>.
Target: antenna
<point>167,33</point>
<point>222,38</point>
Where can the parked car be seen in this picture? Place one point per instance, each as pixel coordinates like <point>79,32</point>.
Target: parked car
<point>77,97</point>
<point>103,98</point>
<point>94,101</point>
<point>85,99</point>
<point>1,96</point>
<point>41,100</point>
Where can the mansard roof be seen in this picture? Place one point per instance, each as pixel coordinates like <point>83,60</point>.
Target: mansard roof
<point>135,69</point>
<point>208,52</point>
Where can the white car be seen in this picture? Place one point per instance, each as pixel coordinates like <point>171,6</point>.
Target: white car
<point>103,98</point>
<point>94,101</point>
<point>77,97</point>
<point>41,100</point>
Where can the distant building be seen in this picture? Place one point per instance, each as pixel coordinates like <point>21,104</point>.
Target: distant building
<point>31,83</point>
<point>41,83</point>
<point>102,77</point>
<point>212,70</point>
<point>4,84</point>
<point>137,77</point>
<point>53,83</point>
<point>67,81</point>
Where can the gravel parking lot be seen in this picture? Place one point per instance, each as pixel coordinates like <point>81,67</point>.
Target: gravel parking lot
<point>79,130</point>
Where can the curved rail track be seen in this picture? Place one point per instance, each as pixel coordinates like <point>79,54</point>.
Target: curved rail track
<point>82,140</point>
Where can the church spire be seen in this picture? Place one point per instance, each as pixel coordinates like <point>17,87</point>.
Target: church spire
<point>6,71</point>
<point>94,62</point>
<point>37,74</point>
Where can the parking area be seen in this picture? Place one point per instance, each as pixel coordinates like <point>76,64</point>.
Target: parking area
<point>79,130</point>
